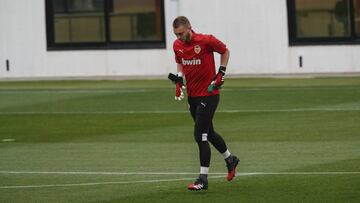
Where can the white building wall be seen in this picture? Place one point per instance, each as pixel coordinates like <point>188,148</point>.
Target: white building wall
<point>23,43</point>
<point>255,31</point>
<point>325,59</point>
<point>2,44</point>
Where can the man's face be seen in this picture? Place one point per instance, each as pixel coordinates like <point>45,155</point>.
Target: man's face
<point>183,33</point>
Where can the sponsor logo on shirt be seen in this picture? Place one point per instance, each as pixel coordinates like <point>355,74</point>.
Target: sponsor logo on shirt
<point>191,62</point>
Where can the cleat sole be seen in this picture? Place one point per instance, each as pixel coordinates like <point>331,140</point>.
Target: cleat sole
<point>194,188</point>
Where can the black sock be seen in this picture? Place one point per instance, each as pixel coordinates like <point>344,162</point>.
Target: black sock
<point>205,153</point>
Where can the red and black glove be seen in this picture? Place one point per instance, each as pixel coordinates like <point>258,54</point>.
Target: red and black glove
<point>179,94</point>
<point>218,80</point>
<point>179,85</point>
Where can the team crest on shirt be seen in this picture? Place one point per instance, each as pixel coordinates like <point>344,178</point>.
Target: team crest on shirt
<point>197,49</point>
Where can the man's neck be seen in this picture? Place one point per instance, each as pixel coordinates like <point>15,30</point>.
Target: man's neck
<point>191,36</point>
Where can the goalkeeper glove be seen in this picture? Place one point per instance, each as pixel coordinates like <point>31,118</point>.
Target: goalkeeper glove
<point>218,80</point>
<point>179,85</point>
<point>179,94</point>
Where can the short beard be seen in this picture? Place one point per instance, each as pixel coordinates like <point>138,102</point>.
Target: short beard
<point>188,38</point>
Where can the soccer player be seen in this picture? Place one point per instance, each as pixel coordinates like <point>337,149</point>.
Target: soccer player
<point>194,55</point>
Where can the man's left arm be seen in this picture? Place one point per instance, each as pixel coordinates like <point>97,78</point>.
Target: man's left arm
<point>219,78</point>
<point>224,58</point>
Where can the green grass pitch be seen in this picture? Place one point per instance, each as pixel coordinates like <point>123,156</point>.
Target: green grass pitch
<point>130,141</point>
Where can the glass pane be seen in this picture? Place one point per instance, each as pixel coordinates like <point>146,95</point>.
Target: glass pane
<point>357,17</point>
<point>136,20</point>
<point>322,18</point>
<point>85,5</point>
<point>82,21</point>
<point>59,6</point>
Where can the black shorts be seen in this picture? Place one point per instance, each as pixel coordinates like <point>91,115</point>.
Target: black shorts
<point>202,110</point>
<point>203,106</point>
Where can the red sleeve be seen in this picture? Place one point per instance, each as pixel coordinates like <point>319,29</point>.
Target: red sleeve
<point>216,45</point>
<point>177,58</point>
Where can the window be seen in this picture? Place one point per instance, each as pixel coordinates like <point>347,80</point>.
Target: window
<point>323,21</point>
<point>135,20</point>
<point>78,21</point>
<point>357,17</point>
<point>105,24</point>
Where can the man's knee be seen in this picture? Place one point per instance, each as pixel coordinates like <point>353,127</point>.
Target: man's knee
<point>201,137</point>
<point>201,129</point>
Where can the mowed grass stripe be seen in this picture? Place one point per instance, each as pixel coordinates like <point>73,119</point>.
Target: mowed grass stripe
<point>181,173</point>
<point>99,183</point>
<point>140,90</point>
<point>171,112</point>
<point>168,180</point>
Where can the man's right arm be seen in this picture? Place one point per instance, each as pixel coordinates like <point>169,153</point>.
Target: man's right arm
<point>178,80</point>
<point>180,68</point>
<point>179,95</point>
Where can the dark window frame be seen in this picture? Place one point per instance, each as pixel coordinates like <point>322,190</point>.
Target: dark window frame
<point>108,44</point>
<point>294,40</point>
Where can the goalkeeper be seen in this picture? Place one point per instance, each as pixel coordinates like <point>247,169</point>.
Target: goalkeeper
<point>194,55</point>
